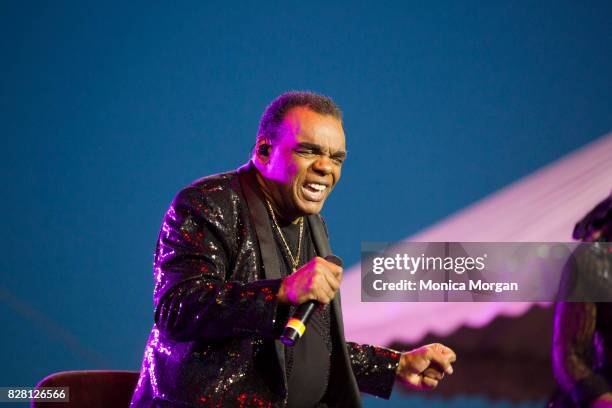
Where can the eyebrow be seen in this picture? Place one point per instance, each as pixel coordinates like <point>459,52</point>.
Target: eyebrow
<point>317,149</point>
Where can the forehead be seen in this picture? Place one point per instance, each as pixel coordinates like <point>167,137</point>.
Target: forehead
<point>301,124</point>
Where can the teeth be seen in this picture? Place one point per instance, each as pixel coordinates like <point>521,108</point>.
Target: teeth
<point>318,187</point>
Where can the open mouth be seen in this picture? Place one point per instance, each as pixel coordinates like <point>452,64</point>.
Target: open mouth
<point>314,191</point>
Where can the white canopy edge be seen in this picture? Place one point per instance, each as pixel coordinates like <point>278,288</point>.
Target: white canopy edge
<point>541,207</point>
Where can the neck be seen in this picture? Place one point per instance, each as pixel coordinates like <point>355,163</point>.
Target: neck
<point>282,216</point>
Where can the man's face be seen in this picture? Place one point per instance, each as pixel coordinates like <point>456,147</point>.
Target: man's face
<point>304,163</point>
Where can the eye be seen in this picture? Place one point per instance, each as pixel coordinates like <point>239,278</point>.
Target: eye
<point>305,153</point>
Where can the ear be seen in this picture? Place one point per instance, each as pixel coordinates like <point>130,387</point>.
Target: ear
<point>262,150</point>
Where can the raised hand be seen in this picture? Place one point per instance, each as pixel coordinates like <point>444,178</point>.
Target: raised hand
<point>317,280</point>
<point>425,366</point>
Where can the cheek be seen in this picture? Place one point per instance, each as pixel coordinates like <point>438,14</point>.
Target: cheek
<point>283,170</point>
<point>289,174</point>
<point>297,171</point>
<point>292,169</point>
<point>337,175</point>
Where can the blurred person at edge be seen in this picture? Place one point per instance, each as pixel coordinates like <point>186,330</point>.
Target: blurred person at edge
<point>237,252</point>
<point>582,337</point>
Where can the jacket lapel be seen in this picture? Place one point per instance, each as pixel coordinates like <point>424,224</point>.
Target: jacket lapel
<point>260,219</point>
<point>348,394</point>
<point>265,238</point>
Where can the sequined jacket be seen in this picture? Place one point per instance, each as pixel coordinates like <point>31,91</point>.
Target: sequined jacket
<point>217,318</point>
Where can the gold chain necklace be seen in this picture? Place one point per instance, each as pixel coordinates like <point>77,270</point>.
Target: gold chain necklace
<point>295,260</point>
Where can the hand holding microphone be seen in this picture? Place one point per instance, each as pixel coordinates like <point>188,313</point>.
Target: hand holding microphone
<point>314,283</point>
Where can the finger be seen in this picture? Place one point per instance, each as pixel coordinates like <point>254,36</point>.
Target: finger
<point>332,267</point>
<point>452,357</point>
<point>442,349</point>
<point>328,292</point>
<point>443,366</point>
<point>442,361</point>
<point>433,373</point>
<point>324,295</point>
<point>324,299</point>
<point>429,383</point>
<point>323,282</point>
<point>332,281</point>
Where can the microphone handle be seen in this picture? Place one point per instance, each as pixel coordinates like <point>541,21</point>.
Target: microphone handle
<point>296,326</point>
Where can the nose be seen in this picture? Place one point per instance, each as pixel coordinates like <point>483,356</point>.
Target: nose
<point>323,165</point>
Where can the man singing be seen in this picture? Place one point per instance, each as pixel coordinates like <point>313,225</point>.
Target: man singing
<point>236,254</point>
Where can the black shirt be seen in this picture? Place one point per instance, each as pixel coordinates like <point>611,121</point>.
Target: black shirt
<point>307,363</point>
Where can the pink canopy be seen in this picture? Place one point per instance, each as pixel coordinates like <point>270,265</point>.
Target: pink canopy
<point>541,207</point>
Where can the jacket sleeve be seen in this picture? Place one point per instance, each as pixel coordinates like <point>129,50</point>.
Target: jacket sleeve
<point>193,298</point>
<point>374,368</point>
<point>573,352</point>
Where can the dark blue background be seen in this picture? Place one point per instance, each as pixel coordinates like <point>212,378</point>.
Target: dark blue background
<point>107,109</point>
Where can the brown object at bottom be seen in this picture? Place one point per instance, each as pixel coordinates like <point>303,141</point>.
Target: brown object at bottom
<point>91,389</point>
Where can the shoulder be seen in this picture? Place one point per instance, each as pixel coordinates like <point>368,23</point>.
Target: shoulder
<point>209,189</point>
<point>215,183</point>
<point>216,198</point>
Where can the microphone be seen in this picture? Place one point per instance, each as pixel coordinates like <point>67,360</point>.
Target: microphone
<point>296,326</point>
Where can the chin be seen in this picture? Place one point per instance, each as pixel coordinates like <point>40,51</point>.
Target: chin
<point>311,208</point>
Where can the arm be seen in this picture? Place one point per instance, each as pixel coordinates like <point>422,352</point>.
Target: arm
<point>374,368</point>
<point>193,298</point>
<point>573,354</point>
<point>422,368</point>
